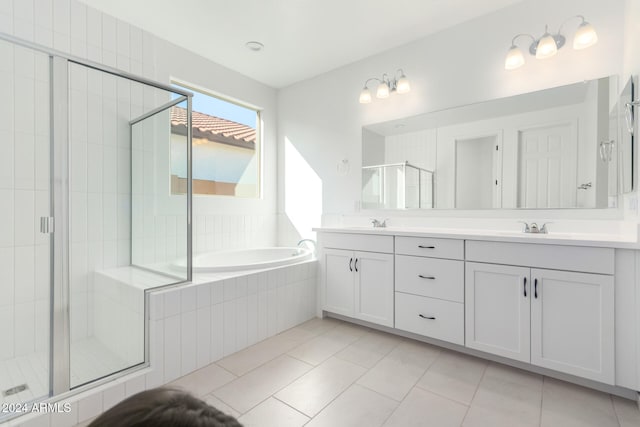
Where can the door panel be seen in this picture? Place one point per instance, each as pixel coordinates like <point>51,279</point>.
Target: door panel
<point>497,309</point>
<point>25,243</point>
<point>547,157</point>
<point>339,279</point>
<point>374,287</point>
<point>572,323</point>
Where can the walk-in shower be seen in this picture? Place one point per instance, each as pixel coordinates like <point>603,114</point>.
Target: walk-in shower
<point>88,221</point>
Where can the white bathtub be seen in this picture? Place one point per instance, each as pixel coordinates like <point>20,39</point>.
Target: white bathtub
<point>246,259</point>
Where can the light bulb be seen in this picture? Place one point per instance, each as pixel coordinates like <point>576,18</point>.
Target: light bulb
<point>546,47</point>
<point>403,85</point>
<point>365,96</point>
<point>383,90</point>
<point>515,58</point>
<point>585,36</point>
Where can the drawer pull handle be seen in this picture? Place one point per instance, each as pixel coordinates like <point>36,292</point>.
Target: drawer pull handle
<point>350,264</point>
<point>427,317</point>
<point>524,286</point>
<point>356,264</point>
<point>426,247</point>
<point>535,288</point>
<point>426,277</point>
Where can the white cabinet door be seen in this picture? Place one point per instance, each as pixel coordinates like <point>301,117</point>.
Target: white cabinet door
<point>339,281</point>
<point>572,323</point>
<point>497,310</point>
<point>374,287</point>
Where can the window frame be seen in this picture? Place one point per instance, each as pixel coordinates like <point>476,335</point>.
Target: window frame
<point>197,89</point>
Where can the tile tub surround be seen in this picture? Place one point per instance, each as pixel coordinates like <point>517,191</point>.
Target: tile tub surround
<point>193,326</point>
<point>267,384</point>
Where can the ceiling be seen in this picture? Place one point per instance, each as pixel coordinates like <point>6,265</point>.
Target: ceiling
<point>302,38</point>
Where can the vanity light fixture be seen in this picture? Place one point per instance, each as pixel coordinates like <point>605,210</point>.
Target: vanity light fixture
<point>548,44</point>
<point>386,86</point>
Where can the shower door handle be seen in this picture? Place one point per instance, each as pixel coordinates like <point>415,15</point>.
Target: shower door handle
<point>46,225</point>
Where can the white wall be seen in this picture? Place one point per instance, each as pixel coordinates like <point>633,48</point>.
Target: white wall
<point>632,68</point>
<point>322,118</point>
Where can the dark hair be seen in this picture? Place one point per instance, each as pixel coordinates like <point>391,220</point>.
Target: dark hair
<point>161,407</point>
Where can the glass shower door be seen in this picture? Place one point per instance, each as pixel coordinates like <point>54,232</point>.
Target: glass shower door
<point>25,242</point>
<point>120,202</point>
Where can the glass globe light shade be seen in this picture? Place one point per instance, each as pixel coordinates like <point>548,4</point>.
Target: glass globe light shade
<point>514,59</point>
<point>546,47</point>
<point>585,36</point>
<point>365,96</point>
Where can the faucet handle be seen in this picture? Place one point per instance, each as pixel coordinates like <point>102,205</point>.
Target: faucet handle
<point>544,229</point>
<point>377,224</point>
<point>527,229</point>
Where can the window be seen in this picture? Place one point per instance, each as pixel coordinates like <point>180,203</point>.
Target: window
<point>226,147</point>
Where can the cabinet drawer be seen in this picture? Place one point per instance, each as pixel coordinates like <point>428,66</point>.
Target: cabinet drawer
<point>430,277</point>
<point>357,242</point>
<point>430,247</point>
<point>443,320</point>
<point>556,257</point>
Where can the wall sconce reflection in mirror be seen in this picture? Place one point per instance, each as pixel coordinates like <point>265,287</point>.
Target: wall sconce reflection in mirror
<point>547,45</point>
<point>629,116</point>
<point>386,85</point>
<point>605,149</point>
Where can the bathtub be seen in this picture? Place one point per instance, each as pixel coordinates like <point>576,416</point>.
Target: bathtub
<point>246,259</point>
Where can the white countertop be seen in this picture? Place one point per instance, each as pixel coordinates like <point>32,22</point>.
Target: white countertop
<point>552,238</point>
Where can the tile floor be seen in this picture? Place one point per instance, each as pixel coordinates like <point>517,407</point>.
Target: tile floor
<point>332,373</point>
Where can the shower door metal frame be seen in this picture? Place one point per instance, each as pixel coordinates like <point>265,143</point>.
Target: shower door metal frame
<point>60,356</point>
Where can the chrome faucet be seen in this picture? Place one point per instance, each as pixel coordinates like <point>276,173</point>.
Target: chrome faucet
<point>377,224</point>
<point>534,228</point>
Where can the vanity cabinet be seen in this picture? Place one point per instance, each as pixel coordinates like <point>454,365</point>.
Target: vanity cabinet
<point>429,285</point>
<point>561,320</point>
<point>359,283</point>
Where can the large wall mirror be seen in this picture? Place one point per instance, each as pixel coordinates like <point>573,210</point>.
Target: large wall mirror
<point>565,147</point>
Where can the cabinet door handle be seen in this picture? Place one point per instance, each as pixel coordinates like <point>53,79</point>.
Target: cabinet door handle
<point>350,264</point>
<point>426,247</point>
<point>524,287</point>
<point>535,288</point>
<point>356,264</point>
<point>427,317</point>
<point>426,277</point>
